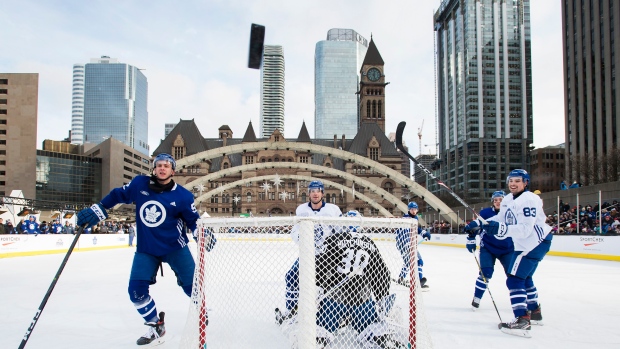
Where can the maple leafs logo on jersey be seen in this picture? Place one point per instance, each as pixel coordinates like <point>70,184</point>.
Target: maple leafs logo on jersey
<point>510,218</point>
<point>152,213</point>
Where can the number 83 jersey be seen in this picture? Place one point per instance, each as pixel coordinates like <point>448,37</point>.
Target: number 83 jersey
<point>356,257</point>
<point>525,219</point>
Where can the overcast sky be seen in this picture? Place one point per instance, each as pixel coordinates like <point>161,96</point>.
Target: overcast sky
<point>195,54</point>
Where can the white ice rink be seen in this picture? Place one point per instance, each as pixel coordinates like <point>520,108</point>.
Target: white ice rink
<point>89,307</point>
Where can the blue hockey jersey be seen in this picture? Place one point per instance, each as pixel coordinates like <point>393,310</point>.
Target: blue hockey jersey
<point>490,242</point>
<point>160,217</point>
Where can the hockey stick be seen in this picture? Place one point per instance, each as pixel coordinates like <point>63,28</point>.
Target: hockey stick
<point>51,288</point>
<point>488,288</point>
<point>399,144</point>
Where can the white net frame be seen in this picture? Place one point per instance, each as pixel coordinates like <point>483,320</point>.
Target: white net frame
<point>241,281</point>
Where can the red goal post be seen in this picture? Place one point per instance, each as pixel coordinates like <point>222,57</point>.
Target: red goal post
<point>243,279</point>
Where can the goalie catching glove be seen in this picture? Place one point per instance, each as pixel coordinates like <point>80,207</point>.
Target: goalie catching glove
<point>210,239</point>
<point>91,216</point>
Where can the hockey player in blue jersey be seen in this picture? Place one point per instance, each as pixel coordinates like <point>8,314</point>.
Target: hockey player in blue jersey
<point>56,227</point>
<point>491,249</point>
<point>31,226</point>
<point>316,206</point>
<point>521,218</point>
<point>403,240</point>
<point>163,208</point>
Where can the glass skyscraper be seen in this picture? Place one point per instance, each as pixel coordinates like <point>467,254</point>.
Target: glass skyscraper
<point>337,64</point>
<point>114,104</point>
<point>272,91</point>
<point>484,92</point>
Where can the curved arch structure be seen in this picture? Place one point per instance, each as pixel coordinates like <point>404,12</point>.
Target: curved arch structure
<point>241,182</point>
<point>426,195</point>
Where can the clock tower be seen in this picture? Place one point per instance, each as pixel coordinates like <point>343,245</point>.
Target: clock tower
<point>372,88</point>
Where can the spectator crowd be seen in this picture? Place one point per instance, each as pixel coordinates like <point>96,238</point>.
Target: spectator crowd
<point>29,225</point>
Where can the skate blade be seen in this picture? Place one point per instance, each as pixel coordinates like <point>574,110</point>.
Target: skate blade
<point>516,332</point>
<point>155,342</point>
<point>474,309</point>
<point>537,323</point>
<point>425,289</point>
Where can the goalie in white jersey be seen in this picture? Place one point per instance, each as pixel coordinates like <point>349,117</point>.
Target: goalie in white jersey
<point>521,217</point>
<point>315,207</point>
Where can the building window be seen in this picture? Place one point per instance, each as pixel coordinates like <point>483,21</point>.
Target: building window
<point>4,81</point>
<point>389,187</point>
<point>248,197</point>
<point>3,111</point>
<point>214,199</point>
<point>178,152</point>
<point>225,165</point>
<point>3,91</point>
<point>249,160</point>
<point>3,101</point>
<point>374,154</point>
<point>303,159</point>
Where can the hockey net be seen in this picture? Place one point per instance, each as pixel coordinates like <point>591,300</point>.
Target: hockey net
<point>241,286</point>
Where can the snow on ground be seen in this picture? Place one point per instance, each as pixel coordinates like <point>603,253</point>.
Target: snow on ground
<point>89,307</point>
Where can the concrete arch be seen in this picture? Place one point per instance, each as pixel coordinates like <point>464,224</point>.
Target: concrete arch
<point>241,182</point>
<point>310,167</point>
<point>426,195</point>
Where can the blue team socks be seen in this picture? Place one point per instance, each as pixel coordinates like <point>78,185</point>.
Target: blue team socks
<point>147,310</point>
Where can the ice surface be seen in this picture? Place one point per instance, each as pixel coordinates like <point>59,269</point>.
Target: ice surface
<point>90,308</point>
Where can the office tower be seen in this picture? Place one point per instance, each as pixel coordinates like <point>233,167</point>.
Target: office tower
<point>115,103</point>
<point>77,105</point>
<point>272,91</point>
<point>484,92</point>
<point>337,64</point>
<point>19,96</point>
<point>591,30</point>
<point>168,128</point>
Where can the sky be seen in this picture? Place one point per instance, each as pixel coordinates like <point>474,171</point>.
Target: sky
<point>195,56</point>
<point>90,308</point>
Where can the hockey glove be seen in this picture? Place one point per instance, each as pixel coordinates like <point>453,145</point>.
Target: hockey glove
<point>210,239</point>
<point>472,227</point>
<point>471,243</point>
<point>91,216</point>
<point>499,230</point>
<point>426,236</point>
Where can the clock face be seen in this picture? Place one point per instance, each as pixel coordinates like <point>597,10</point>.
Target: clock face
<point>373,74</point>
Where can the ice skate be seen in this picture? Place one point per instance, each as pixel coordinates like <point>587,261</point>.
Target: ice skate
<point>282,316</point>
<point>517,327</point>
<point>475,304</point>
<point>536,316</point>
<point>155,334</point>
<point>423,285</point>
<point>387,342</point>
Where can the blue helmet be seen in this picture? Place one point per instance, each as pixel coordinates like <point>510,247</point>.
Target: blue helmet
<point>165,157</point>
<point>497,194</point>
<point>33,217</point>
<point>519,173</point>
<point>354,213</point>
<point>411,205</point>
<point>316,185</point>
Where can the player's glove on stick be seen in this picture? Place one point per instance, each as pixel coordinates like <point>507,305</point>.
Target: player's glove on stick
<point>471,243</point>
<point>496,228</point>
<point>472,227</point>
<point>91,216</point>
<point>426,236</point>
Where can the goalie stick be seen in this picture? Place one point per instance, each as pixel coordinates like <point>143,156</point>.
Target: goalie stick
<point>51,288</point>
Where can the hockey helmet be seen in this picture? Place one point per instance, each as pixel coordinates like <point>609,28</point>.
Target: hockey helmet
<point>33,217</point>
<point>497,194</point>
<point>316,185</point>
<point>411,205</point>
<point>165,157</point>
<point>519,173</point>
<point>354,214</point>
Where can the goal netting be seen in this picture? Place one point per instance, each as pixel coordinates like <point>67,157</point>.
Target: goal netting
<point>306,282</point>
